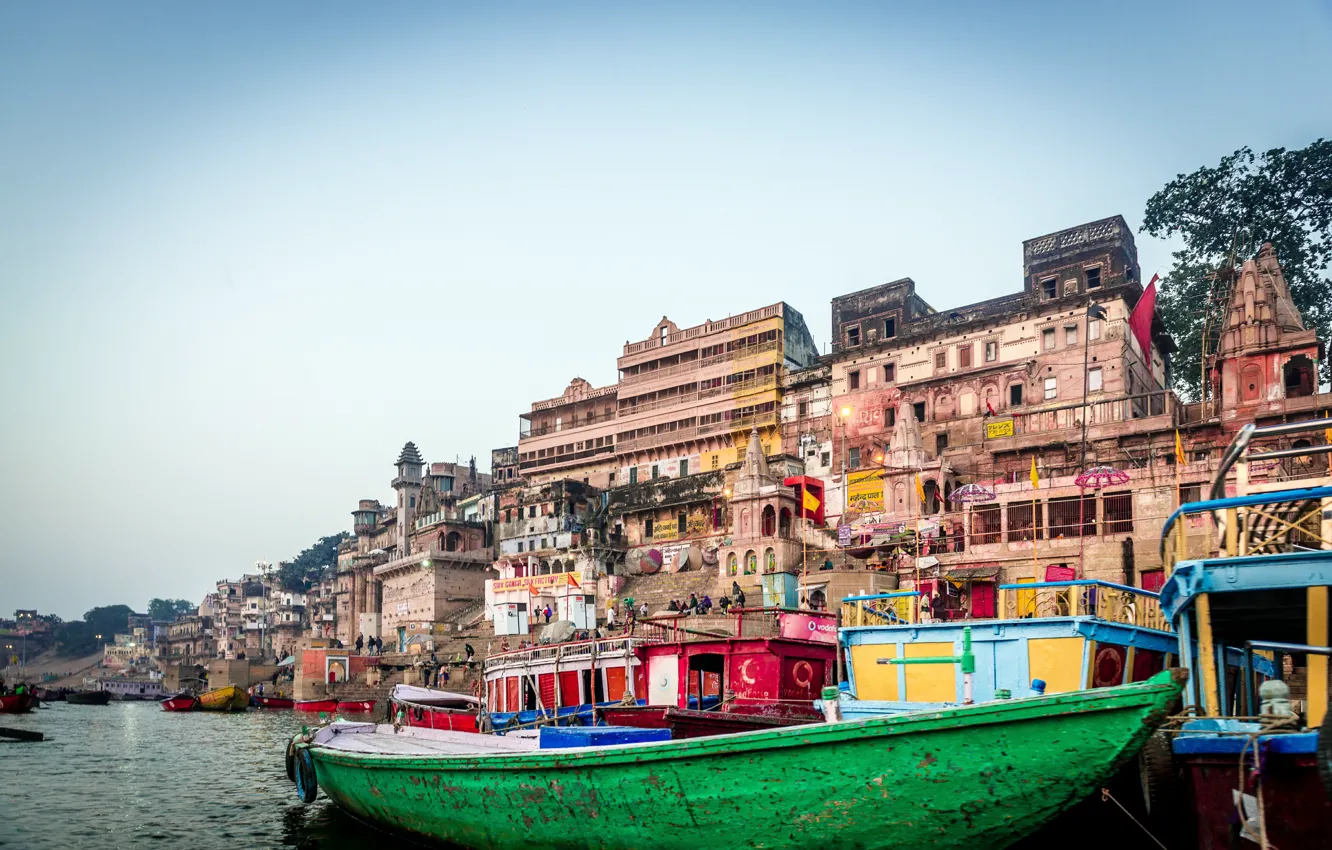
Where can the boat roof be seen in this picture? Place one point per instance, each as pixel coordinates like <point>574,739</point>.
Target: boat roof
<point>1253,597</point>
<point>1270,498</point>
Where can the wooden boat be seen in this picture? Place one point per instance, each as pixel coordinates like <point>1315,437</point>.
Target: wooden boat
<point>428,708</point>
<point>88,697</point>
<point>273,702</point>
<point>691,723</point>
<point>180,702</point>
<point>229,698</point>
<point>18,703</point>
<point>326,705</point>
<point>978,776</point>
<point>51,694</point>
<point>356,706</point>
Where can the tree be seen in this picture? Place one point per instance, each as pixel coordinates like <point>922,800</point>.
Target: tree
<point>98,626</point>
<point>1223,215</point>
<point>300,574</point>
<point>169,609</point>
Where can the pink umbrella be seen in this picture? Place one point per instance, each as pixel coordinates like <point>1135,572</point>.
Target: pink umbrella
<point>1101,476</point>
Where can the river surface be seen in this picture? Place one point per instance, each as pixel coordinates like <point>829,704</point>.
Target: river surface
<point>129,774</point>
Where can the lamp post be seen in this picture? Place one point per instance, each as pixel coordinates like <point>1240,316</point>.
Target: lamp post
<point>1094,311</point>
<point>845,414</point>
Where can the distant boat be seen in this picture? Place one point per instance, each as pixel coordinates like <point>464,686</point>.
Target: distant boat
<point>326,705</point>
<point>18,703</point>
<point>51,694</point>
<point>273,702</point>
<point>180,702</point>
<point>230,698</point>
<point>88,697</point>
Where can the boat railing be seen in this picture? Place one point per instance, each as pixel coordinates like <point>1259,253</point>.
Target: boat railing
<point>881,609</point>
<point>1115,603</point>
<point>616,646</point>
<point>1251,437</point>
<point>1266,523</point>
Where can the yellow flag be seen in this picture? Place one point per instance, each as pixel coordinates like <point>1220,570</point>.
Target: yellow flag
<point>1327,432</point>
<point>810,501</point>
<point>1035,479</point>
<point>1179,449</point>
<point>920,489</point>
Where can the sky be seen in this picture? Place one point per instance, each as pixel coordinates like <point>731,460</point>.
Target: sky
<point>247,250</point>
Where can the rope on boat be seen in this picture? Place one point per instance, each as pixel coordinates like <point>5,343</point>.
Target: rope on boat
<point>1106,795</point>
<point>1269,724</point>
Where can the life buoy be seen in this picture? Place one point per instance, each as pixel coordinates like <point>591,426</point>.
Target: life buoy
<point>1108,668</point>
<point>803,673</point>
<point>307,784</point>
<point>291,761</point>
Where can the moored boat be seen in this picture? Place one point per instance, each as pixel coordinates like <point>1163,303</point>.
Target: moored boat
<point>229,698</point>
<point>18,703</point>
<point>273,702</point>
<point>434,709</point>
<point>180,702</point>
<point>50,694</point>
<point>88,697</point>
<point>978,776</point>
<point>356,706</point>
<point>325,705</point>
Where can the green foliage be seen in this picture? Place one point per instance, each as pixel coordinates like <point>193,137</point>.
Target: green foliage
<point>80,637</point>
<point>170,609</point>
<point>1280,196</point>
<point>300,574</point>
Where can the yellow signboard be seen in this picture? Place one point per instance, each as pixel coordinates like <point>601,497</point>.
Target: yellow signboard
<point>998,428</point>
<point>865,491</point>
<point>553,580</point>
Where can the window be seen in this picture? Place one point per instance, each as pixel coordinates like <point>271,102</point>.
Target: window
<point>991,351</point>
<point>1051,388</point>
<point>1049,288</point>
<point>853,458</point>
<point>940,360</point>
<point>985,524</point>
<point>802,409</point>
<point>633,475</point>
<point>1048,339</point>
<point>717,520</point>
<point>732,562</point>
<point>557,423</point>
<point>684,467</point>
<point>1015,395</point>
<point>531,511</point>
<point>681,521</point>
<point>889,417</point>
<point>1094,330</point>
<point>1118,513</point>
<point>656,473</point>
<point>853,336</point>
<point>1190,493</point>
<point>411,501</point>
<point>889,328</point>
<point>647,528</point>
<point>853,379</point>
<point>1020,526</point>
<point>964,357</point>
<point>1094,380</point>
<point>751,563</point>
<point>1073,517</point>
<point>940,442</point>
<point>520,545</point>
<point>889,372</point>
<point>1094,278</point>
<point>919,408</point>
<point>1071,335</point>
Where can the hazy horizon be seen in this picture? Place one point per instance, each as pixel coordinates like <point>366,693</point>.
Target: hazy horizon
<point>249,251</point>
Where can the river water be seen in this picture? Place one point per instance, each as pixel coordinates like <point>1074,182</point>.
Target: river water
<point>129,774</point>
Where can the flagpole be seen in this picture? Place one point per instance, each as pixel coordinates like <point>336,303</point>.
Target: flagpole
<point>804,542</point>
<point>920,497</point>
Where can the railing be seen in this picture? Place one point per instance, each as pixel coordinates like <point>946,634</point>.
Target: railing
<point>881,609</point>
<point>551,460</point>
<point>706,327</point>
<point>663,372</point>
<point>659,438</point>
<point>740,353</point>
<point>739,423</point>
<point>740,386</point>
<point>1102,412</point>
<point>1258,524</point>
<point>572,424</point>
<point>1116,603</point>
<point>585,649</point>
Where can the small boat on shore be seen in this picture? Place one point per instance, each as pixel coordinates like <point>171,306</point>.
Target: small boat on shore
<point>88,697</point>
<point>429,708</point>
<point>975,776</point>
<point>230,698</point>
<point>180,702</point>
<point>51,694</point>
<point>18,703</point>
<point>262,701</point>
<point>325,705</point>
<point>356,706</point>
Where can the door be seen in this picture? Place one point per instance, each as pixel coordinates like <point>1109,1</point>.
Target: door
<point>615,683</point>
<point>982,600</point>
<point>663,680</point>
<point>1026,599</point>
<point>569,688</point>
<point>1152,580</point>
<point>402,637</point>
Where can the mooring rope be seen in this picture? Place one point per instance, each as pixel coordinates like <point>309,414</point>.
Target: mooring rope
<point>1106,795</point>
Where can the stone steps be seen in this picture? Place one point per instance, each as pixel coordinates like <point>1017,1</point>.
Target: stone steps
<point>658,590</point>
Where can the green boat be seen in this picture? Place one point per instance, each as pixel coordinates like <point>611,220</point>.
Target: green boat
<point>975,777</point>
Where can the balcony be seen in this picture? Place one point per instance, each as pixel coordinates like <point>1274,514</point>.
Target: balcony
<point>555,460</point>
<point>573,424</point>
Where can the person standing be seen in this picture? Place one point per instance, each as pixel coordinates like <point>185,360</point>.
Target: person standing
<point>610,616</point>
<point>467,648</point>
<point>360,642</point>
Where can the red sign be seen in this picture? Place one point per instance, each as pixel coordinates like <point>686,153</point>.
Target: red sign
<point>809,627</point>
<point>1054,572</point>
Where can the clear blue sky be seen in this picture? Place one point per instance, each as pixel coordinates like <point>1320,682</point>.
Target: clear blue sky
<point>249,249</point>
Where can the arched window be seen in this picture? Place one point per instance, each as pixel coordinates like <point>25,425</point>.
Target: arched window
<point>784,523</point>
<point>751,563</point>
<point>769,521</point>
<point>732,564</point>
<point>770,561</point>
<point>932,502</point>
<point>454,542</point>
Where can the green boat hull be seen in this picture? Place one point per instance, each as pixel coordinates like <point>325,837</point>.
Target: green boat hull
<point>973,777</point>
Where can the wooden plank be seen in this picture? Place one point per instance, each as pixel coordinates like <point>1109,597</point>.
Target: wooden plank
<point>20,734</point>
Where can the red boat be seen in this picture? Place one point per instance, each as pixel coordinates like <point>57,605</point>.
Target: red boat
<point>325,705</point>
<point>18,703</point>
<point>180,702</point>
<point>354,706</point>
<point>432,709</point>
<point>273,702</point>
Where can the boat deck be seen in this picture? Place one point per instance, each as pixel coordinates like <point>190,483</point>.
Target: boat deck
<point>415,741</point>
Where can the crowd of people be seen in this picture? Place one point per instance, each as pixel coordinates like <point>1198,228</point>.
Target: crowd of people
<point>374,644</point>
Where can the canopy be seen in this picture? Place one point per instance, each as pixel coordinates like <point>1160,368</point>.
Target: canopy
<point>287,662</point>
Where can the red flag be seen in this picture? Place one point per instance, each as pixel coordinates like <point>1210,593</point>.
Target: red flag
<point>1141,320</point>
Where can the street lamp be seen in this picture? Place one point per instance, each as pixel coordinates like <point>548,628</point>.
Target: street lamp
<point>845,413</point>
<point>1094,311</point>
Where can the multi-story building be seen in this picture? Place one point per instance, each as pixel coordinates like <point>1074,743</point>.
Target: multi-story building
<point>686,401</point>
<point>188,640</point>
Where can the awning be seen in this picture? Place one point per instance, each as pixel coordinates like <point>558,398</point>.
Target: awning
<point>969,573</point>
<point>288,661</point>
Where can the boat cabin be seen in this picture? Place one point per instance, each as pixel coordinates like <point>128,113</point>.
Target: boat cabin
<point>564,679</point>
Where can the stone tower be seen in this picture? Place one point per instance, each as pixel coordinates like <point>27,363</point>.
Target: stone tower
<point>407,484</point>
